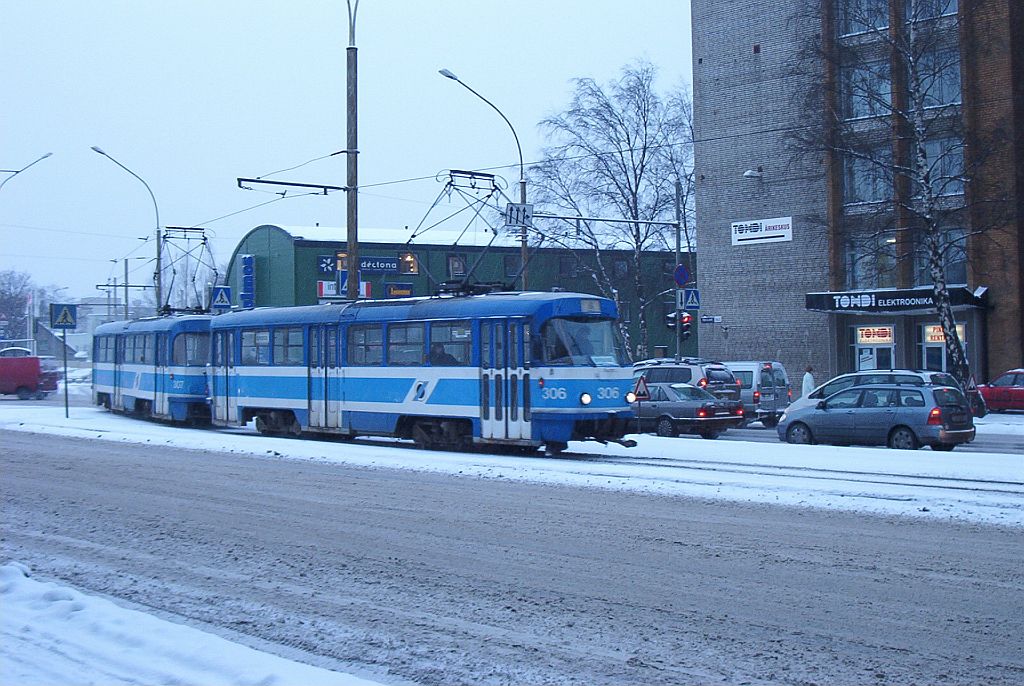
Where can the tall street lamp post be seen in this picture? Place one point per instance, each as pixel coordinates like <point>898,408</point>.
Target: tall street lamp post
<point>524,253</point>
<point>157,274</point>
<point>15,172</point>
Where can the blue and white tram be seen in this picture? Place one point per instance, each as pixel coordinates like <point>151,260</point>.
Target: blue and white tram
<point>515,369</point>
<point>154,367</point>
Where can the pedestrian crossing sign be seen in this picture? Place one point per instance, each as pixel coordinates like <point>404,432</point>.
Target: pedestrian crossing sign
<point>691,299</point>
<point>220,297</point>
<point>63,316</point>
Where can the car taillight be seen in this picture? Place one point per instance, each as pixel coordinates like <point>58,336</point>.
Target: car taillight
<point>935,416</point>
<point>789,394</point>
<point>739,411</point>
<point>702,412</point>
<point>703,382</point>
<point>757,397</point>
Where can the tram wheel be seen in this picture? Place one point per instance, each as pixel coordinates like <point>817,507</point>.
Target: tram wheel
<point>555,447</point>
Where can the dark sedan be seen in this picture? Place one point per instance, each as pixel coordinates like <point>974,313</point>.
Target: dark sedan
<point>682,408</point>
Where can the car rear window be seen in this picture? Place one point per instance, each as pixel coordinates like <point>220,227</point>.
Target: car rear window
<point>720,375</point>
<point>949,397</point>
<point>944,380</point>
<point>668,375</point>
<point>746,378</point>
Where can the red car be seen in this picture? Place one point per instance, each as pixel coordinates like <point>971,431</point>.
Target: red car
<point>1006,392</point>
<point>28,376</point>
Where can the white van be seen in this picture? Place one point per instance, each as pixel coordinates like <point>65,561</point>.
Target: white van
<point>764,389</point>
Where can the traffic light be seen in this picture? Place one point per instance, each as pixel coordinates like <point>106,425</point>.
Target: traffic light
<point>687,320</point>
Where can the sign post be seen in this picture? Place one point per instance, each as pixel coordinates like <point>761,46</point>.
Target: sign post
<point>642,393</point>
<point>64,316</point>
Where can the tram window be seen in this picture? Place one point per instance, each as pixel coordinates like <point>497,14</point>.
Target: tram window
<point>190,349</point>
<point>405,345</point>
<point>331,356</point>
<point>288,346</point>
<point>451,344</point>
<point>365,345</point>
<point>161,350</point>
<point>485,345</point>
<point>256,347</point>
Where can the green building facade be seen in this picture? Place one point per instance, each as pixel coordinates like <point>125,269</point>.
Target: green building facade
<point>306,265</point>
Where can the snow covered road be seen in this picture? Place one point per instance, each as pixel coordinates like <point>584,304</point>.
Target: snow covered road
<point>375,560</point>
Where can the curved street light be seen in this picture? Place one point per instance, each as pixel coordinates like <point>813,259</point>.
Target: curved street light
<point>156,276</point>
<point>14,172</point>
<point>522,170</point>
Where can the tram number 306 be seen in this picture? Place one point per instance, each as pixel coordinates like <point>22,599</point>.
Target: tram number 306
<point>557,393</point>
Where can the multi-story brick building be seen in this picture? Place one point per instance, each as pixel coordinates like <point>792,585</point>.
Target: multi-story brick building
<point>811,220</point>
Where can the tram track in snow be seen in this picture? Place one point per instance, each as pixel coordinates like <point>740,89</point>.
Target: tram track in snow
<point>814,473</point>
<point>874,478</point>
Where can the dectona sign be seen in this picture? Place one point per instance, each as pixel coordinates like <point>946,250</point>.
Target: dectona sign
<point>762,231</point>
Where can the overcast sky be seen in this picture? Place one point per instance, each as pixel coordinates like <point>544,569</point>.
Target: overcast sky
<point>192,94</point>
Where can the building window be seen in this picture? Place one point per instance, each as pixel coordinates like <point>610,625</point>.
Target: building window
<point>288,345</point>
<point>620,268</point>
<point>255,347</point>
<point>945,165</point>
<point>405,345</point>
<point>939,71</point>
<point>365,345</point>
<point>456,265</point>
<point>953,246</point>
<point>513,264</point>
<point>861,16</point>
<point>408,264</point>
<point>871,260</point>
<point>567,266</point>
<point>920,10</point>
<point>866,179</point>
<point>867,89</point>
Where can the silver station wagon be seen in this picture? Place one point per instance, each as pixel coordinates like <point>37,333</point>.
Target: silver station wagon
<point>898,416</point>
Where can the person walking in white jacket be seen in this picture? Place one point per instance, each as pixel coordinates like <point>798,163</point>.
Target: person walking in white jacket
<point>808,384</point>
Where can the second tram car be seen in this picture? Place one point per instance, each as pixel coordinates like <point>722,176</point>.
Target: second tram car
<point>516,369</point>
<point>155,368</point>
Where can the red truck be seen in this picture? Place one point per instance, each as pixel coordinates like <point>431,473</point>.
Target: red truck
<point>28,376</point>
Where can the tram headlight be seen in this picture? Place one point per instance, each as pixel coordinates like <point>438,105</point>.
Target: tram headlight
<point>630,397</point>
<point>585,398</point>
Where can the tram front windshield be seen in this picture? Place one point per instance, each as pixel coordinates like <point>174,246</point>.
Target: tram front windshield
<point>581,341</point>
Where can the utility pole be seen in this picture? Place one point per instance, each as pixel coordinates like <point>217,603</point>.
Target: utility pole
<point>679,312</point>
<point>352,157</point>
<point>108,287</point>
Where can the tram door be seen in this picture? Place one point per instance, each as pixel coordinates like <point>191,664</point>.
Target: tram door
<point>324,381</point>
<point>504,380</point>
<point>223,380</point>
<point>160,381</point>
<point>119,375</point>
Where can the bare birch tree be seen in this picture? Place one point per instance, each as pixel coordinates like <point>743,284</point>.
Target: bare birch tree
<point>617,152</point>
